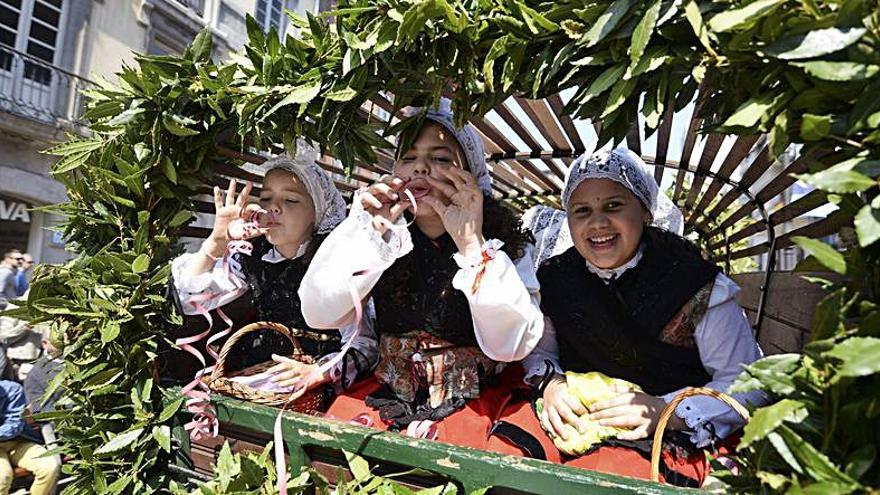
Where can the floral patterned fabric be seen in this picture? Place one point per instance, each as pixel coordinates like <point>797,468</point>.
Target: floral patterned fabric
<point>418,363</point>
<point>681,328</point>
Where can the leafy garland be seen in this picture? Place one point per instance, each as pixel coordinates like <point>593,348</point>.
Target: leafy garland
<point>803,71</point>
<point>254,474</point>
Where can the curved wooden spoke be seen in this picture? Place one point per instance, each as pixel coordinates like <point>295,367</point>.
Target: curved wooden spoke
<point>810,201</point>
<point>683,164</point>
<point>733,160</point>
<point>824,227</point>
<point>544,120</point>
<point>663,143</point>
<point>571,131</point>
<point>713,144</point>
<point>776,186</point>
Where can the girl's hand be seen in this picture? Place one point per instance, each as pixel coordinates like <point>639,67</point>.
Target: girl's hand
<point>383,201</point>
<point>230,210</point>
<point>289,372</point>
<point>561,407</point>
<point>636,411</point>
<point>463,216</point>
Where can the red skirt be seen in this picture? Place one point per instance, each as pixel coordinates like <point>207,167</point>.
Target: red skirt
<point>468,427</point>
<point>614,460</point>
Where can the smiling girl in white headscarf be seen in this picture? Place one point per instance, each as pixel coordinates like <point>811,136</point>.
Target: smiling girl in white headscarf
<point>302,206</point>
<point>637,302</point>
<point>455,292</point>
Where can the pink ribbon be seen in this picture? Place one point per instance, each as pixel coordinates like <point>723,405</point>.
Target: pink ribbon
<point>204,422</point>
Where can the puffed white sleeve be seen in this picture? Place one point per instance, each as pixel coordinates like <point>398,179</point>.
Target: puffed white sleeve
<point>725,342</point>
<point>212,289</point>
<point>363,355</point>
<point>545,355</point>
<point>504,301</point>
<point>351,258</point>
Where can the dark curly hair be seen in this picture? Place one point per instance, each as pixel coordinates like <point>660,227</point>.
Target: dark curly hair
<point>502,223</point>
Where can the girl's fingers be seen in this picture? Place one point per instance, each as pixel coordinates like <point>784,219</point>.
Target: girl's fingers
<point>566,414</point>
<point>242,199</point>
<point>398,210</point>
<point>447,189</point>
<point>278,368</point>
<point>613,412</point>
<point>463,175</point>
<point>249,209</point>
<point>435,203</point>
<point>369,201</point>
<point>381,189</point>
<point>618,400</point>
<point>286,376</point>
<point>557,423</point>
<point>395,183</point>
<point>230,193</point>
<point>635,434</point>
<point>574,404</point>
<point>218,199</point>
<point>456,178</point>
<point>622,422</point>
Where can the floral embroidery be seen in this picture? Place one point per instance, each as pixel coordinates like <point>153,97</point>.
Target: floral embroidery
<point>420,361</point>
<point>680,329</point>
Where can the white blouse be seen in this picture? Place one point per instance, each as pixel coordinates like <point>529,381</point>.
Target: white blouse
<point>725,342</point>
<point>505,309</point>
<point>222,285</point>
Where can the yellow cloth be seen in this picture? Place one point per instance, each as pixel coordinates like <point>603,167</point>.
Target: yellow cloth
<point>589,388</point>
<point>27,455</point>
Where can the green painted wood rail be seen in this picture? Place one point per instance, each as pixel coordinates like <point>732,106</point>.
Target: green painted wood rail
<point>471,468</point>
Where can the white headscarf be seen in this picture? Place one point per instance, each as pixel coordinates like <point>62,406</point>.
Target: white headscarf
<point>629,170</point>
<point>468,138</point>
<point>329,205</point>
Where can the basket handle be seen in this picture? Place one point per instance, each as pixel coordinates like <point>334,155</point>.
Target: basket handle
<point>670,409</point>
<point>220,366</point>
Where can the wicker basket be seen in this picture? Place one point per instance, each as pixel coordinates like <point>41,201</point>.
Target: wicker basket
<point>311,402</point>
<point>670,409</point>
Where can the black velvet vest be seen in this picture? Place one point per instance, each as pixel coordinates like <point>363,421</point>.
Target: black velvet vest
<point>274,289</point>
<point>614,328</point>
<point>416,293</point>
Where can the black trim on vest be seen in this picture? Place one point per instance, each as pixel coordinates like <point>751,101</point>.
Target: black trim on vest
<point>613,328</point>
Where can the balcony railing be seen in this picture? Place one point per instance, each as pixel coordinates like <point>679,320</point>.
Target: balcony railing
<point>32,88</point>
<point>196,5</point>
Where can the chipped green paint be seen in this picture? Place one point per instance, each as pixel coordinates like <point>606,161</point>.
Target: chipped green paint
<point>473,468</point>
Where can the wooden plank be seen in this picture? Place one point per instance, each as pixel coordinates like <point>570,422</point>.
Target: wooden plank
<point>545,121</point>
<point>774,187</point>
<point>789,310</point>
<point>663,142</point>
<point>493,136</point>
<point>810,201</point>
<point>525,167</point>
<point>737,154</point>
<point>634,139</point>
<point>510,119</point>
<point>571,131</point>
<point>474,469</point>
<point>826,226</point>
<point>683,164</point>
<point>502,171</point>
<point>710,151</point>
<point>756,169</point>
<point>518,129</point>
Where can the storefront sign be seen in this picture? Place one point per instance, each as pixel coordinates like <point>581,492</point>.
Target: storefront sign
<point>14,211</point>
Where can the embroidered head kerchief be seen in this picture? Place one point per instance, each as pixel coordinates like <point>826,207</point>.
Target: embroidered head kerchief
<point>329,205</point>
<point>468,138</point>
<point>627,169</point>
